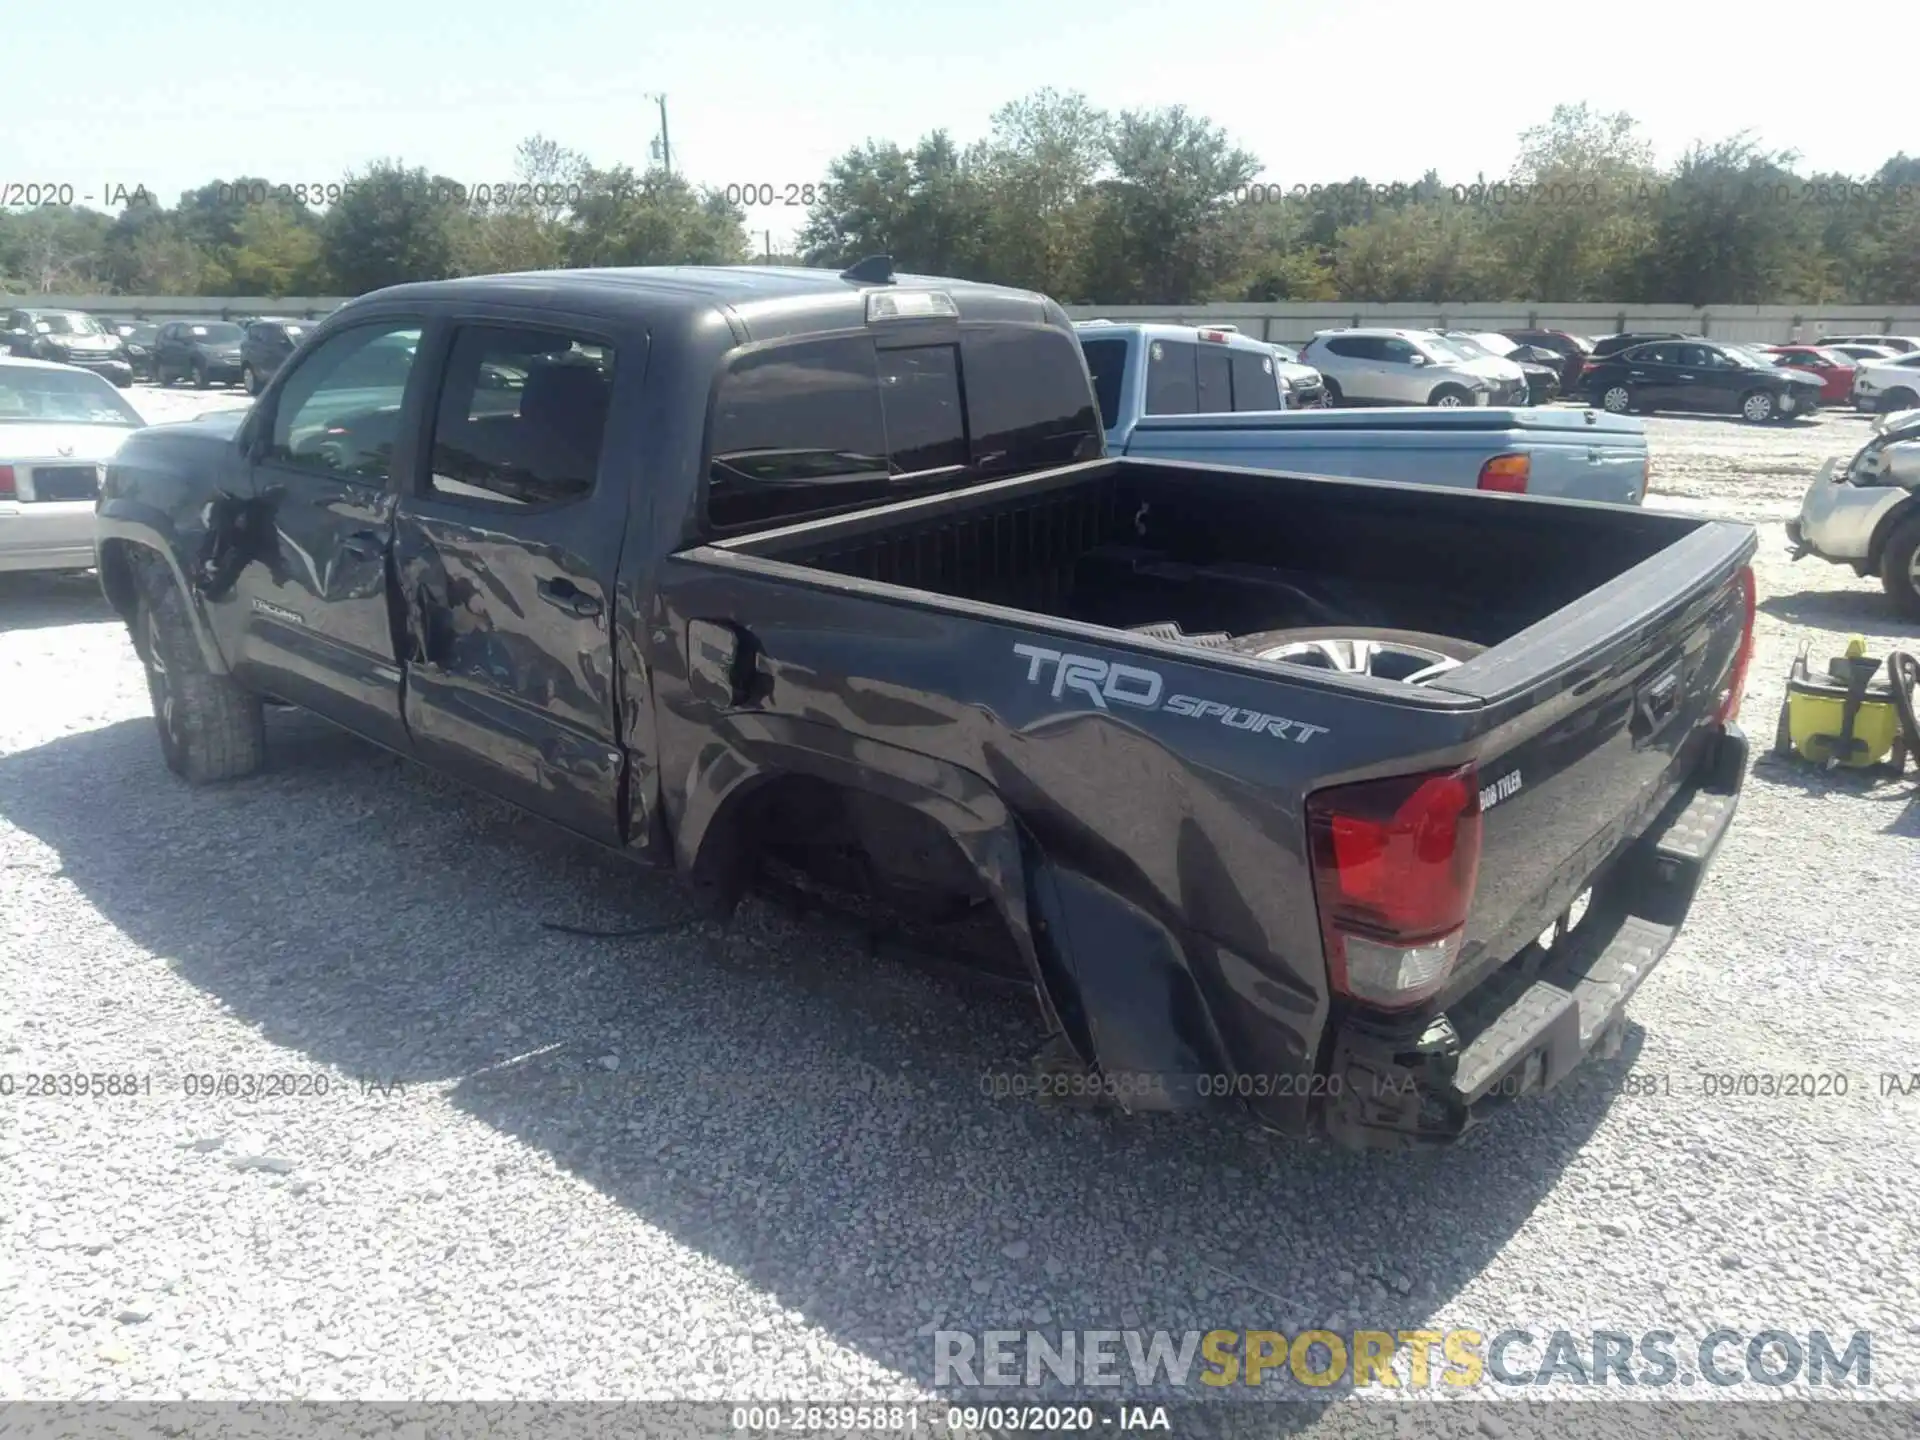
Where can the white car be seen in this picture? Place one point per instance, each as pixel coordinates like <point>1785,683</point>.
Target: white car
<point>1899,344</point>
<point>1395,367</point>
<point>1880,385</point>
<point>59,426</point>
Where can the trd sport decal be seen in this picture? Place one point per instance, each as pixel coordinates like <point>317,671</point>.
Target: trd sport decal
<point>1133,685</point>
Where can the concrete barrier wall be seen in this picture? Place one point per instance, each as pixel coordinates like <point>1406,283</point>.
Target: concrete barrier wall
<point>1287,322</point>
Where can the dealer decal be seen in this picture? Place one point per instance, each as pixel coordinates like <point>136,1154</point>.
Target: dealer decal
<point>279,612</point>
<point>1505,788</point>
<point>1102,682</point>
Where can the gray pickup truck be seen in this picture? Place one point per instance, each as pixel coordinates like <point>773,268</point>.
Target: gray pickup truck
<point>773,575</point>
<point>1177,392</point>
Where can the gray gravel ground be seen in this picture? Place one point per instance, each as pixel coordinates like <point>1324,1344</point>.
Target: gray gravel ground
<point>756,1164</point>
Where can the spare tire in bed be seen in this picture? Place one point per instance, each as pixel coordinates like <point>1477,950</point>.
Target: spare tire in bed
<point>1413,657</point>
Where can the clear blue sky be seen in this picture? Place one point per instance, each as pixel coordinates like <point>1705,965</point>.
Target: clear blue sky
<point>171,95</point>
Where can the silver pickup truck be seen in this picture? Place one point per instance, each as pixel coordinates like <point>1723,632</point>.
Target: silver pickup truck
<point>1178,392</point>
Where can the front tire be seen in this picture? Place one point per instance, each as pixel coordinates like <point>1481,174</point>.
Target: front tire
<point>200,381</point>
<point>1450,397</point>
<point>1758,408</point>
<point>249,381</point>
<point>1900,567</point>
<point>1334,399</point>
<point>210,728</point>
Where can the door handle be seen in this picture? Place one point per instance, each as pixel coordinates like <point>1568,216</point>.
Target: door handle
<point>1689,377</point>
<point>363,545</point>
<point>563,594</point>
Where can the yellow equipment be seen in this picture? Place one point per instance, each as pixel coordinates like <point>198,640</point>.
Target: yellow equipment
<point>1848,717</point>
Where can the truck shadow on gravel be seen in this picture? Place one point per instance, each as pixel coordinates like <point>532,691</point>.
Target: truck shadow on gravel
<point>35,601</point>
<point>816,1120</point>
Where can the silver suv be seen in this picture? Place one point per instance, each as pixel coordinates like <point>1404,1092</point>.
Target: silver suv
<point>1394,367</point>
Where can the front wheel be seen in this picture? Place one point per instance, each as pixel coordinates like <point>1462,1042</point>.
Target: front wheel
<point>250,380</point>
<point>1758,407</point>
<point>199,375</point>
<point>210,728</point>
<point>1450,397</point>
<point>1900,567</point>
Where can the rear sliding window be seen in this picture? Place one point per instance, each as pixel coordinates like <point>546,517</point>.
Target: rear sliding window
<point>821,425</point>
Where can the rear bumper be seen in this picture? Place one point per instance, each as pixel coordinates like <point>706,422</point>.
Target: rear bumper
<point>1397,1085</point>
<point>118,371</point>
<point>49,535</point>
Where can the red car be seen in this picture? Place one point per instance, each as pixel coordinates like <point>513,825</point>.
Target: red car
<point>1830,367</point>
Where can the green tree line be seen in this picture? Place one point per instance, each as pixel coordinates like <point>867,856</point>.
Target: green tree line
<point>1088,205</point>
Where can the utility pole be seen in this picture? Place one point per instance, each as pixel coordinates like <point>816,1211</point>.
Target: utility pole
<point>666,151</point>
<point>769,242</point>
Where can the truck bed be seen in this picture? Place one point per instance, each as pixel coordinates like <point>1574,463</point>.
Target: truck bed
<point>1127,543</point>
<point>1572,454</point>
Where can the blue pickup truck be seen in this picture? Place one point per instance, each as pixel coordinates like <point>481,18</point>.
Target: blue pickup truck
<point>1177,392</point>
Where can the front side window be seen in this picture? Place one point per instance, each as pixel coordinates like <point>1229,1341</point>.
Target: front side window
<point>521,417</point>
<point>1397,351</point>
<point>339,412</point>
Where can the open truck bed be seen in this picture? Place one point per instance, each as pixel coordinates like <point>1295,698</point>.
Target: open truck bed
<point>1068,638</point>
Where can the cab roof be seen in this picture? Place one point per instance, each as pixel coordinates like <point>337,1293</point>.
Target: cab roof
<point>766,300</point>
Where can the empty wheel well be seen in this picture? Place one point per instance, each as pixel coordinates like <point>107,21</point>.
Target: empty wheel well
<point>847,837</point>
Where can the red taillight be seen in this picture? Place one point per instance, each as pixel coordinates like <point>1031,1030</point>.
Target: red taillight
<point>1394,866</point>
<point>1506,472</point>
<point>1743,657</point>
<point>1217,336</point>
<point>7,491</point>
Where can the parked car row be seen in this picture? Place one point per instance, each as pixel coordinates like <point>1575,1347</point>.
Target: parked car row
<point>244,351</point>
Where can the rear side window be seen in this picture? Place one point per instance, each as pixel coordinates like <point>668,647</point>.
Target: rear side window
<point>1172,379</point>
<point>521,416</point>
<point>1107,364</point>
<point>814,426</point>
<point>1355,347</point>
<point>1256,384</point>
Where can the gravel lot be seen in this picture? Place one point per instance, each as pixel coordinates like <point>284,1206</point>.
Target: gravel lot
<point>755,1164</point>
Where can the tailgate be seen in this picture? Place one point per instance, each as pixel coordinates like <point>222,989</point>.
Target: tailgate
<point>1603,711</point>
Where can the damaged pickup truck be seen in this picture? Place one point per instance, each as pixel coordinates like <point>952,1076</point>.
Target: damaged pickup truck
<point>1364,805</point>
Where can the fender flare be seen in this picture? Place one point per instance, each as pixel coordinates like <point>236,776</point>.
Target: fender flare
<point>143,527</point>
<point>749,751</point>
